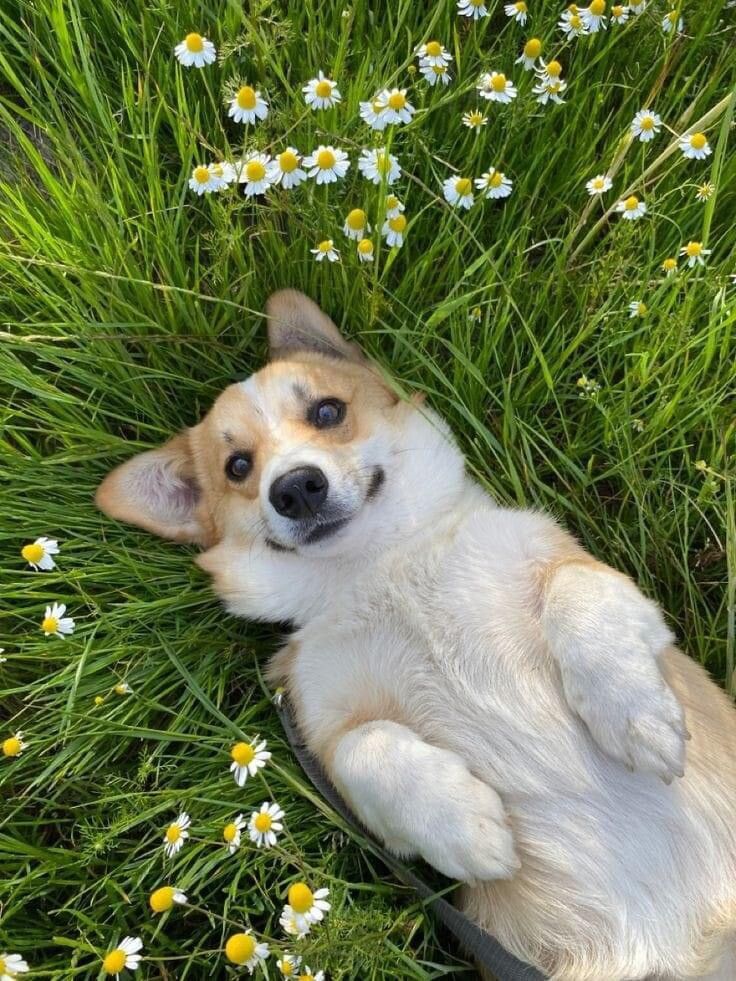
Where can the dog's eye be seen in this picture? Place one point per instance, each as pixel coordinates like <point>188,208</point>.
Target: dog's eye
<point>328,412</point>
<point>238,466</point>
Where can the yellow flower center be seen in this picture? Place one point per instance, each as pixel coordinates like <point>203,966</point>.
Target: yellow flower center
<point>397,224</point>
<point>533,47</point>
<point>597,7</point>
<point>632,203</point>
<point>477,3</point>
<point>698,141</point>
<point>397,100</point>
<point>194,43</point>
<point>243,753</point>
<point>433,49</point>
<point>300,897</point>
<point>521,7</point>
<point>263,822</point>
<point>325,159</point>
<point>617,11</point>
<point>576,21</point>
<point>498,82</point>
<point>383,163</point>
<point>554,68</point>
<point>356,219</point>
<point>49,625</point>
<point>230,832</point>
<point>463,186</point>
<point>323,89</point>
<point>573,8</point>
<point>496,179</point>
<point>694,249</point>
<point>475,118</point>
<point>439,69</point>
<point>365,246</point>
<point>12,746</point>
<point>288,161</point>
<point>2,966</point>
<point>646,122</point>
<point>246,97</point>
<point>392,202</point>
<point>255,170</point>
<point>669,264</point>
<point>162,899</point>
<point>286,968</point>
<point>121,689</point>
<point>173,833</point>
<point>201,175</point>
<point>32,553</point>
<point>325,246</point>
<point>99,700</point>
<point>641,309</point>
<point>671,16</point>
<point>115,960</point>
<point>216,169</point>
<point>240,948</point>
<point>598,183</point>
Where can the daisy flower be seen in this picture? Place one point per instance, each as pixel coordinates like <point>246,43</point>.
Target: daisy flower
<point>619,14</point>
<point>494,184</point>
<point>374,114</point>
<point>645,125</point>
<point>379,165</point>
<point>264,824</point>
<point>326,250</point>
<point>163,899</point>
<point>695,146</point>
<point>196,51</point>
<point>550,91</point>
<point>669,20</point>
<point>321,92</point>
<point>202,181</point>
<point>288,964</point>
<point>529,54</point>
<point>694,253</point>
<point>285,169</point>
<point>54,623</point>
<point>11,965</point>
<point>433,53</point>
<point>517,11</point>
<point>594,16</point>
<point>231,833</point>
<point>247,760</point>
<point>393,231</point>
<point>637,308</point>
<point>436,73</point>
<point>599,184</point>
<point>669,266</point>
<point>495,87</point>
<point>356,224</point>
<point>124,956</point>
<point>307,973</point>
<point>638,8</point>
<point>304,907</point>
<point>472,8</point>
<point>398,108</point>
<point>38,554</point>
<point>394,207</point>
<point>632,208</point>
<point>123,688</point>
<point>474,119</point>
<point>223,173</point>
<point>243,950</point>
<point>705,191</point>
<point>365,250</point>
<point>14,745</point>
<point>550,71</point>
<point>573,26</point>
<point>247,106</point>
<point>326,164</point>
<point>176,834</point>
<point>256,173</point>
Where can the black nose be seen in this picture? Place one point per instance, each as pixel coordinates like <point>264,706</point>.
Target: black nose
<point>299,492</point>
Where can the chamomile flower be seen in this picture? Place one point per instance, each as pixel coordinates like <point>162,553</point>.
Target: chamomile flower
<point>326,164</point>
<point>517,11</point>
<point>669,21</point>
<point>164,898</point>
<point>638,8</point>
<point>243,949</point>
<point>54,623</point>
<point>256,174</point>
<point>304,908</point>
<point>248,106</point>
<point>573,26</point>
<point>619,14</point>
<point>550,91</point>
<point>495,87</point>
<point>393,231</point>
<point>398,108</point>
<point>11,965</point>
<point>231,833</point>
<point>435,74</point>
<point>365,250</point>
<point>202,181</point>
<point>379,166</point>
<point>123,688</point>
<point>286,169</point>
<point>307,973</point>
<point>694,253</point>
<point>288,965</point>
<point>321,92</point>
<point>632,208</point>
<point>530,52</point>
<point>38,554</point>
<point>374,114</point>
<point>356,224</point>
<point>247,760</point>
<point>176,834</point>
<point>264,825</point>
<point>645,125</point>
<point>705,191</point>
<point>394,207</point>
<point>223,173</point>
<point>472,8</point>
<point>124,956</point>
<point>475,119</point>
<point>475,314</point>
<point>494,184</point>
<point>195,51</point>
<point>669,266</point>
<point>549,71</point>
<point>14,745</point>
<point>695,146</point>
<point>637,308</point>
<point>433,53</point>
<point>594,16</point>
<point>599,184</point>
<point>326,250</point>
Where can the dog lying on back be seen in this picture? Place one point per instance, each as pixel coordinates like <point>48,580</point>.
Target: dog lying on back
<point>482,691</point>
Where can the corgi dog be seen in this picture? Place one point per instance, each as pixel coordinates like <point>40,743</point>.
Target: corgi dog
<point>483,692</point>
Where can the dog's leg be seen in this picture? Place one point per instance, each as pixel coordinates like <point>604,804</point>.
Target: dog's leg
<point>420,799</point>
<point>607,639</point>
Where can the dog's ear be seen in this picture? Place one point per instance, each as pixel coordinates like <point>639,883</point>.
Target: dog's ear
<point>296,323</point>
<point>156,490</point>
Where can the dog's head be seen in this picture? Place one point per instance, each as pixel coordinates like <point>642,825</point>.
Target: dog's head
<point>314,454</point>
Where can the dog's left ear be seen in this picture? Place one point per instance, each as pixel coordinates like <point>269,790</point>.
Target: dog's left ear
<point>296,323</point>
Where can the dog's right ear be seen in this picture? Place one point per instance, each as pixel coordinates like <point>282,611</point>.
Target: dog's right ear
<point>156,490</point>
<point>296,323</point>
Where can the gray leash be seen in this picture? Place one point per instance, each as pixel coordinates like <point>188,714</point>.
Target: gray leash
<point>484,948</point>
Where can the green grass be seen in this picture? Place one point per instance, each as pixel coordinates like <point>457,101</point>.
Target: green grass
<point>128,304</point>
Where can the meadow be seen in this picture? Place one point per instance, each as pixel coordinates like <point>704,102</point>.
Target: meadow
<point>580,374</point>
